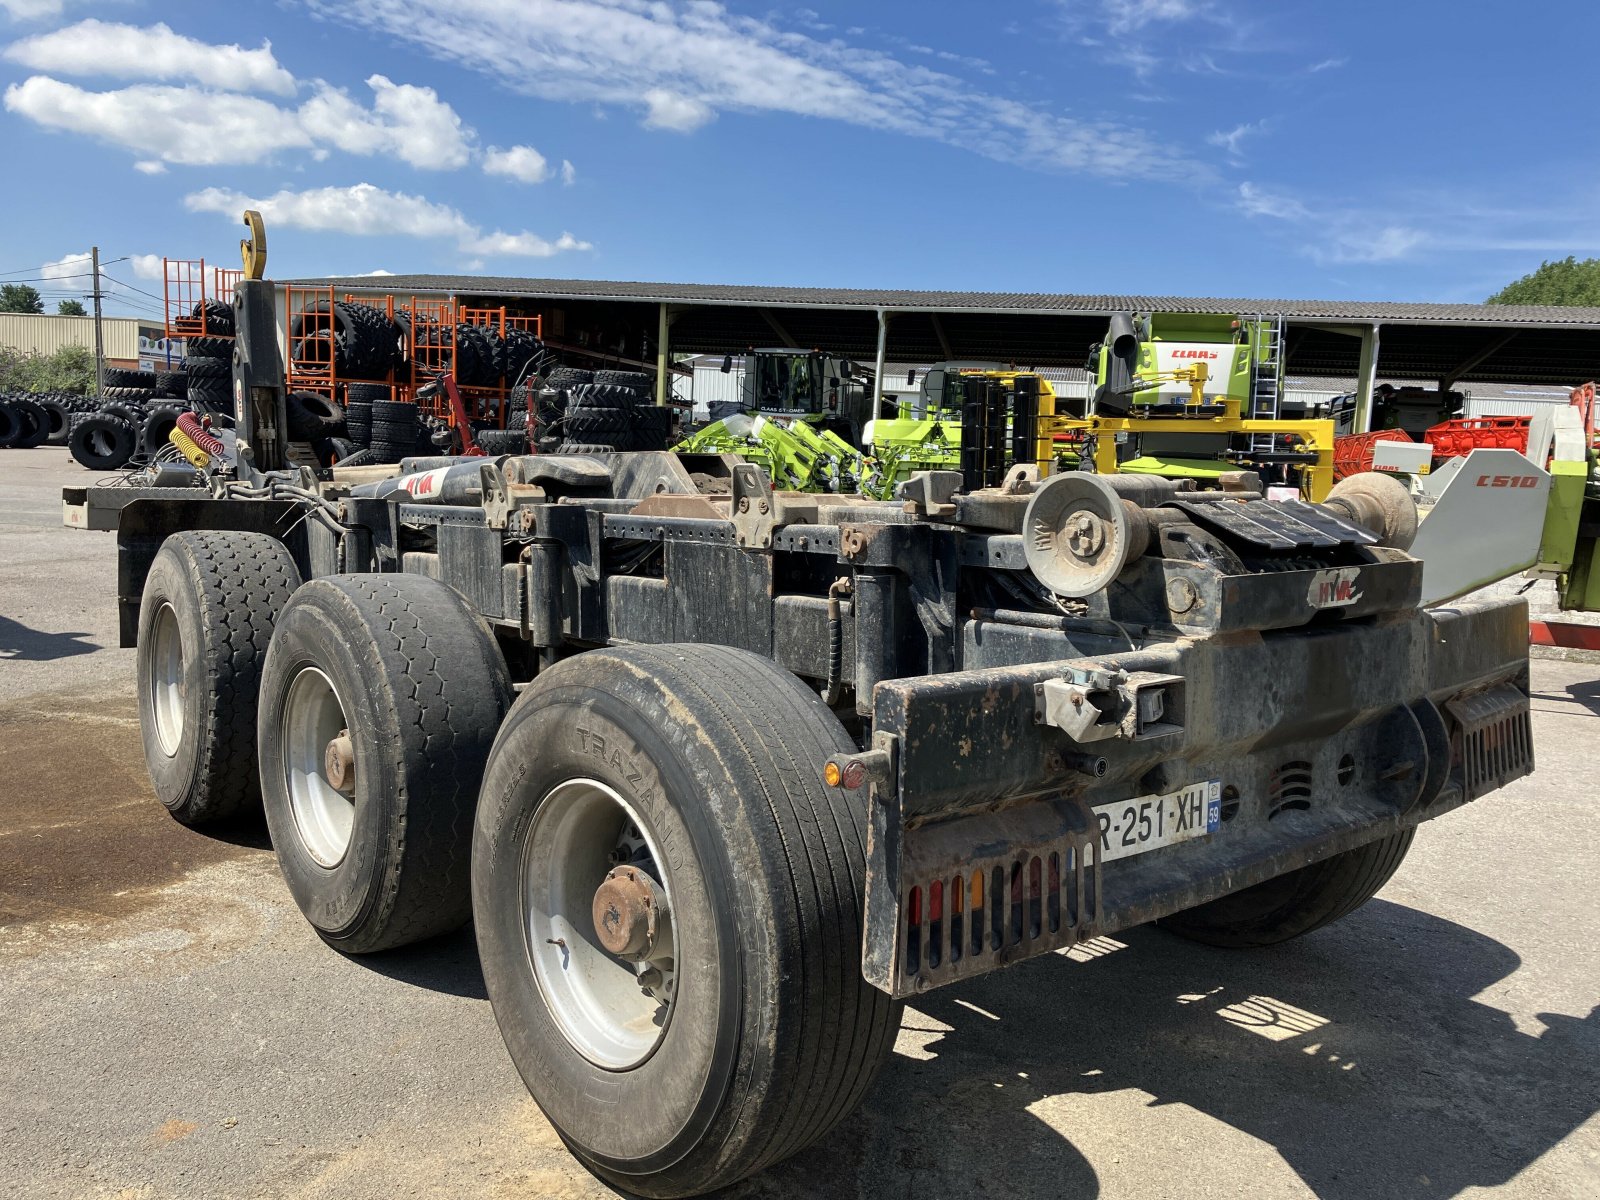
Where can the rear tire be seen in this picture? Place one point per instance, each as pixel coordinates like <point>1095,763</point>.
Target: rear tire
<point>204,623</point>
<point>403,664</point>
<point>770,1036</point>
<point>1297,903</point>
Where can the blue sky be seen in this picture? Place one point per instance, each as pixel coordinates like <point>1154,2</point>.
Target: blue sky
<point>1427,150</point>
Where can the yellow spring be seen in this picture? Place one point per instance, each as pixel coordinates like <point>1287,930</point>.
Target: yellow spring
<point>197,457</point>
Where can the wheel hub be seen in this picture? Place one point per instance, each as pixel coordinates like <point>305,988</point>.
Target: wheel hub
<point>339,761</point>
<point>603,954</point>
<point>626,913</point>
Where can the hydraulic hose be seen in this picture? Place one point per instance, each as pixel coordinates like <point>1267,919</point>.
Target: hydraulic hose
<point>833,689</point>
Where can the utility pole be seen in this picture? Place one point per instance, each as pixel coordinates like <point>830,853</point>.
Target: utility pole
<point>99,339</point>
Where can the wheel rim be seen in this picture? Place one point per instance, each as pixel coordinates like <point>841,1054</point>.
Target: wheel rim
<point>323,814</point>
<point>613,1012</point>
<point>166,680</point>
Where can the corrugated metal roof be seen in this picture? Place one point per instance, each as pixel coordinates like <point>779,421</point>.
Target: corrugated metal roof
<point>1041,303</point>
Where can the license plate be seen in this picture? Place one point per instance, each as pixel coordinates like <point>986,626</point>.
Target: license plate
<point>1131,827</point>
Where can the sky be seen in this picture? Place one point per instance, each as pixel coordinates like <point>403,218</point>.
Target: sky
<point>1430,150</point>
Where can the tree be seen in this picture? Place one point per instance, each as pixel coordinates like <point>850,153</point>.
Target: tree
<point>1567,282</point>
<point>70,308</point>
<point>69,369</point>
<point>20,298</point>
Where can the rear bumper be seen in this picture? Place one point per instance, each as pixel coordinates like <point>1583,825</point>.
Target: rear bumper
<point>983,849</point>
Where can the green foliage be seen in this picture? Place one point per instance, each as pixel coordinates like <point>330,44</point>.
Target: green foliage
<point>1567,282</point>
<point>69,369</point>
<point>20,298</point>
<point>70,308</point>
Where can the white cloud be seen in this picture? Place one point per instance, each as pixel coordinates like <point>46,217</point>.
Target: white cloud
<point>168,124</point>
<point>1124,17</point>
<point>69,267</point>
<point>196,126</point>
<point>1332,234</point>
<point>110,50</point>
<point>1387,243</point>
<point>522,163</point>
<point>683,65</point>
<point>32,10</point>
<point>569,173</point>
<point>1327,64</point>
<point>150,166</point>
<point>669,110</point>
<point>1257,201</point>
<point>366,210</point>
<point>146,266</point>
<point>408,122</point>
<point>1231,140</point>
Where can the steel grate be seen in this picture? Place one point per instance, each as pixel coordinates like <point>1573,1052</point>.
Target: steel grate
<point>999,911</point>
<point>1493,743</point>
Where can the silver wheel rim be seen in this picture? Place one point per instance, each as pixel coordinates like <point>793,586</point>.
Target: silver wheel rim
<point>166,680</point>
<point>612,1011</point>
<point>323,814</point>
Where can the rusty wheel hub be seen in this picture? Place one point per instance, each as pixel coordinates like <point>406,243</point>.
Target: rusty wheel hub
<point>339,761</point>
<point>625,913</point>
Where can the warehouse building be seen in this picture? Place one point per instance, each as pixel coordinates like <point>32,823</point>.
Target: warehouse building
<point>128,340</point>
<point>1357,344</point>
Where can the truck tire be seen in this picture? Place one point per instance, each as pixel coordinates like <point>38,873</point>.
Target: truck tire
<point>568,377</point>
<point>205,619</point>
<point>312,415</point>
<point>597,425</point>
<point>503,441</point>
<point>636,382</point>
<point>597,396</point>
<point>157,429</point>
<point>103,442</point>
<point>768,1034</point>
<point>1296,903</point>
<point>402,663</point>
<point>219,348</point>
<point>60,421</point>
<point>12,424</point>
<point>35,423</point>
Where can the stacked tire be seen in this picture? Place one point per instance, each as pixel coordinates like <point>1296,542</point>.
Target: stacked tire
<point>209,383</point>
<point>358,401</point>
<point>612,411</point>
<point>396,430</point>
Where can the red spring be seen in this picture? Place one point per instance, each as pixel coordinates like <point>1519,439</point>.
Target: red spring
<point>201,436</point>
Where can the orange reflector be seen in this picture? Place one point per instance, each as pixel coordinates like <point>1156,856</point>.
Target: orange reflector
<point>832,775</point>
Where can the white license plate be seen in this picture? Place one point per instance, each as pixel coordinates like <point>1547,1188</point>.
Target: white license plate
<point>1131,827</point>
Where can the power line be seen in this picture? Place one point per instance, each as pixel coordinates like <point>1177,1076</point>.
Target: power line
<point>159,299</point>
<point>38,271</point>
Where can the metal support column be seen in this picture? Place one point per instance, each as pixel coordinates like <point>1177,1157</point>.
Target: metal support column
<point>663,358</point>
<point>877,368</point>
<point>1366,377</point>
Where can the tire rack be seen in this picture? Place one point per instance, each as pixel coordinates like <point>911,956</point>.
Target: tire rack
<point>183,290</point>
<point>312,363</point>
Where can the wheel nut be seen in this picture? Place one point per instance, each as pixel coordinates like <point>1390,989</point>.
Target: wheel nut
<point>623,920</point>
<point>339,760</point>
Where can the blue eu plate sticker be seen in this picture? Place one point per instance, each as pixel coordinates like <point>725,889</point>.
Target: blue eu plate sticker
<point>1213,805</point>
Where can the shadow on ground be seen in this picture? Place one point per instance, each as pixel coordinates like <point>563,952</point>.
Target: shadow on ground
<point>447,964</point>
<point>1357,1053</point>
<point>19,641</point>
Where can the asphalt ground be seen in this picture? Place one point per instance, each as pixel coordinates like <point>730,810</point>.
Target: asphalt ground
<point>171,1027</point>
